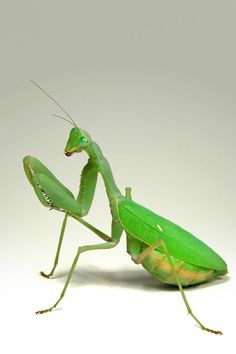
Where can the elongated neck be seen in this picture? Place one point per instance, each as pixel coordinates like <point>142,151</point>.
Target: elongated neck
<point>95,153</point>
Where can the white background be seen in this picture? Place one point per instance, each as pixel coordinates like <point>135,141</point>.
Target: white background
<point>153,82</point>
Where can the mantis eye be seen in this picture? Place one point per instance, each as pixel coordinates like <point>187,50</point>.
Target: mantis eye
<point>83,139</point>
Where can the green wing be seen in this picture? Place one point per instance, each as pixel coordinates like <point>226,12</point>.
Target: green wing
<point>148,227</point>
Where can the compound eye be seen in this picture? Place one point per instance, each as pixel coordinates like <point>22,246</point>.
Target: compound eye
<point>83,139</point>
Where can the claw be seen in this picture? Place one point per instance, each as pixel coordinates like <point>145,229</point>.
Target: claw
<point>213,331</point>
<point>43,311</point>
<point>45,275</point>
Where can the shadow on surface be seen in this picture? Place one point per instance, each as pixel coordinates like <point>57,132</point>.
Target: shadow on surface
<point>135,279</point>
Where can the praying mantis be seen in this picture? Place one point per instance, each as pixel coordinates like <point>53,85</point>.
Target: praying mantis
<point>167,251</point>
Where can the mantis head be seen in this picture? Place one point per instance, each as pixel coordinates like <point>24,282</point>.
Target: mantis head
<point>78,141</point>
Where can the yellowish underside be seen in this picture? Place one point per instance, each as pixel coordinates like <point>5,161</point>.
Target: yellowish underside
<point>157,264</point>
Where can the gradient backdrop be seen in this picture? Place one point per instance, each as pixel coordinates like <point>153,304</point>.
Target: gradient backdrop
<point>154,83</point>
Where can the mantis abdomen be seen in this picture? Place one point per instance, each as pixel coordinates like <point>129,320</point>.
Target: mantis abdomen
<point>157,264</point>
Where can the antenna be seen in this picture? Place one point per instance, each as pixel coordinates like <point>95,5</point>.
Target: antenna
<point>47,94</point>
<point>67,120</point>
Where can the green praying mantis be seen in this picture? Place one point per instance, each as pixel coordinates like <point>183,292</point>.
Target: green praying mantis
<point>165,250</point>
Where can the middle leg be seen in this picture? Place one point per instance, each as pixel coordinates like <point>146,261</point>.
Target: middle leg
<point>82,249</point>
<point>116,231</point>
